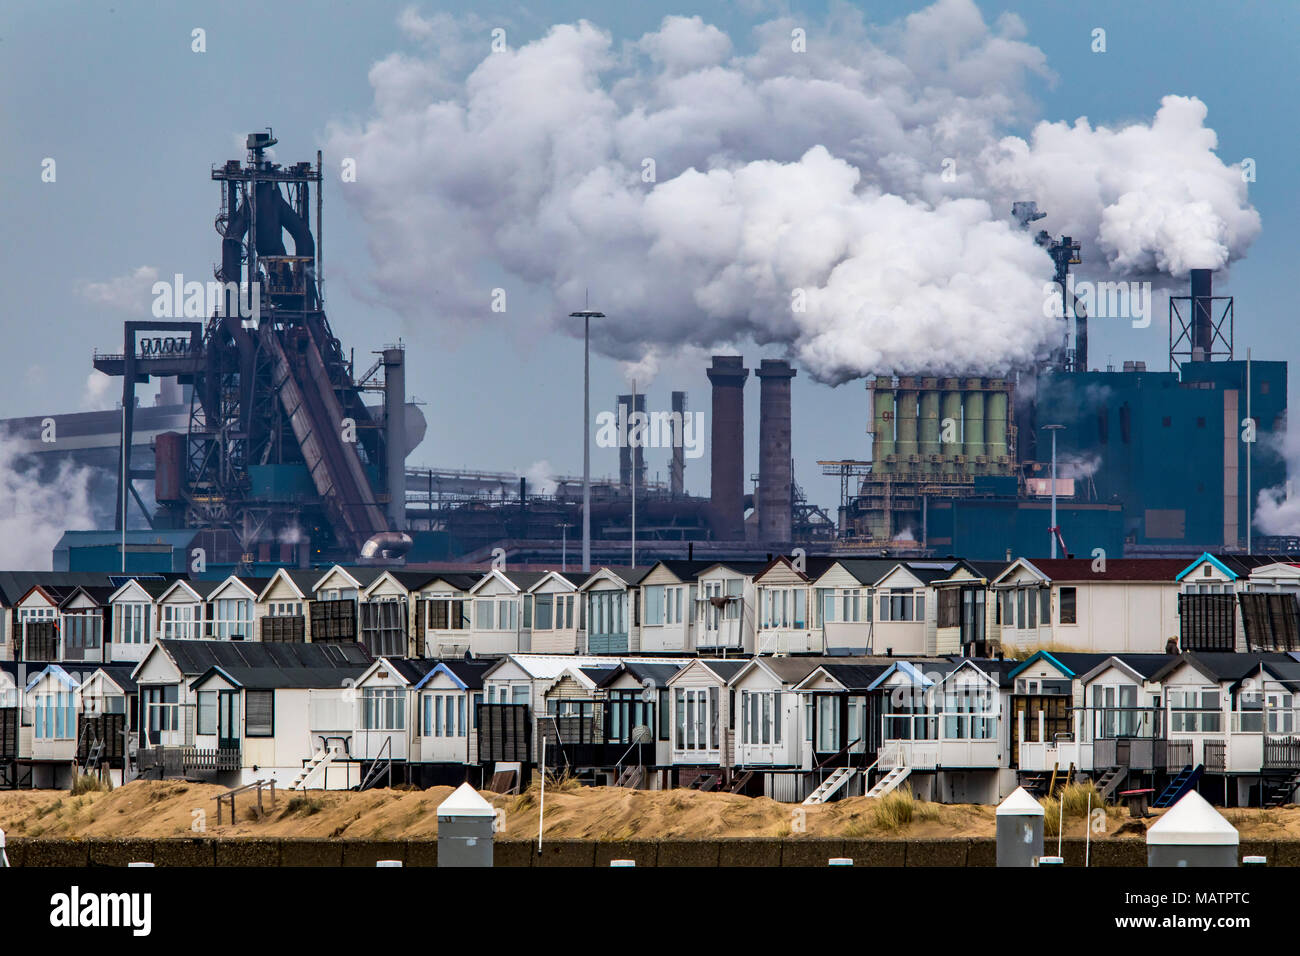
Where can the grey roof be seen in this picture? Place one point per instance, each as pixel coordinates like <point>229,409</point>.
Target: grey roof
<point>791,670</point>
<point>470,672</point>
<point>523,580</point>
<point>121,675</point>
<point>726,669</point>
<point>642,671</point>
<point>854,676</point>
<point>868,570</point>
<point>1223,665</point>
<point>195,657</point>
<point>460,580</point>
<point>14,584</point>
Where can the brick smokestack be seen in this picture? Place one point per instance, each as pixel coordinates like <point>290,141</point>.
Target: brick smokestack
<point>775,473</point>
<point>727,376</point>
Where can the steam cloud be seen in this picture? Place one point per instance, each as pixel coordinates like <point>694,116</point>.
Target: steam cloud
<point>849,204</point>
<point>1277,511</point>
<point>36,508</point>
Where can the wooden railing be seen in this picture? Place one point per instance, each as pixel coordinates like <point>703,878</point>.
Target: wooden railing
<point>223,758</point>
<point>1216,756</point>
<point>1282,753</point>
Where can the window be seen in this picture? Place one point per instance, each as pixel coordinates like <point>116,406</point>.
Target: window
<point>233,620</point>
<point>284,609</point>
<point>608,612</point>
<point>1020,608</point>
<point>162,711</point>
<point>383,708</point>
<point>519,694</point>
<point>544,605</point>
<point>485,615</point>
<point>1031,600</point>
<point>783,607</point>
<point>445,613</point>
<point>654,605</point>
<point>444,715</point>
<point>628,709</point>
<point>900,604</point>
<point>82,632</point>
<point>131,623</point>
<point>697,718</point>
<point>207,717</point>
<point>969,713</point>
<point>383,627</point>
<point>54,716</point>
<point>1068,598</point>
<point>259,713</point>
<point>181,621</point>
<point>760,717</point>
<point>949,610</point>
<point>1195,711</point>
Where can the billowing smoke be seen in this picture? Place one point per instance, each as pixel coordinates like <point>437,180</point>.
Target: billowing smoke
<point>1277,510</point>
<point>540,479</point>
<point>848,202</point>
<point>36,507</point>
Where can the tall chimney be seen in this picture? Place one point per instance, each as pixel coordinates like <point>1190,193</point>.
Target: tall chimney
<point>638,453</point>
<point>727,479</point>
<point>395,435</point>
<point>1202,314</point>
<point>775,473</point>
<point>624,415</point>
<point>677,467</point>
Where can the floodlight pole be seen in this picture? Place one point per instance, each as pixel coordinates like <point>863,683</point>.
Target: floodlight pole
<point>586,315</point>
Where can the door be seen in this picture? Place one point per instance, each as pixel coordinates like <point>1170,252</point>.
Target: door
<point>228,720</point>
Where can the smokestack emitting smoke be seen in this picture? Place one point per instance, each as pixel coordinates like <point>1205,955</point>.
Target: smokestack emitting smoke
<point>727,465</point>
<point>851,206</point>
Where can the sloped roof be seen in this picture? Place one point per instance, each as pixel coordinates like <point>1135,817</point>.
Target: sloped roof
<point>1117,569</point>
<point>659,673</point>
<point>195,657</point>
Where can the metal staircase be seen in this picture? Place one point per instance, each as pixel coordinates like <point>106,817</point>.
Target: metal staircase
<point>1110,781</point>
<point>631,777</point>
<point>1278,792</point>
<point>830,786</point>
<point>889,782</point>
<point>1186,780</point>
<point>317,763</point>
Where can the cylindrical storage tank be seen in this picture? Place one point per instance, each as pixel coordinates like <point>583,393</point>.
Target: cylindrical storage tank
<point>907,413</point>
<point>928,428</point>
<point>950,425</point>
<point>882,443</point>
<point>465,826</point>
<point>169,466</point>
<point>995,427</point>
<point>1192,833</point>
<point>1019,830</point>
<point>973,427</point>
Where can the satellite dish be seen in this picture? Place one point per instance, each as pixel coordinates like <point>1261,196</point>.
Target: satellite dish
<point>641,734</point>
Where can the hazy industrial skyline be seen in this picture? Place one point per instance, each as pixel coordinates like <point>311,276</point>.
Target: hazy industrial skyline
<point>134,117</point>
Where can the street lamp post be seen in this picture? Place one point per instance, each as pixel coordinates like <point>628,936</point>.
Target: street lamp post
<point>586,315</point>
<point>1054,531</point>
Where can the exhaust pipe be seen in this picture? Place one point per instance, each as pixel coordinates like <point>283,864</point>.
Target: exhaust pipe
<point>387,544</point>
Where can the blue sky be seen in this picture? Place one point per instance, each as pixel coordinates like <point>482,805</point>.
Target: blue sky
<point>134,120</point>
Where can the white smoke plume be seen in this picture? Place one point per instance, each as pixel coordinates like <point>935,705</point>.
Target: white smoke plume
<point>126,293</point>
<point>540,478</point>
<point>1277,510</point>
<point>849,204</point>
<point>35,508</point>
